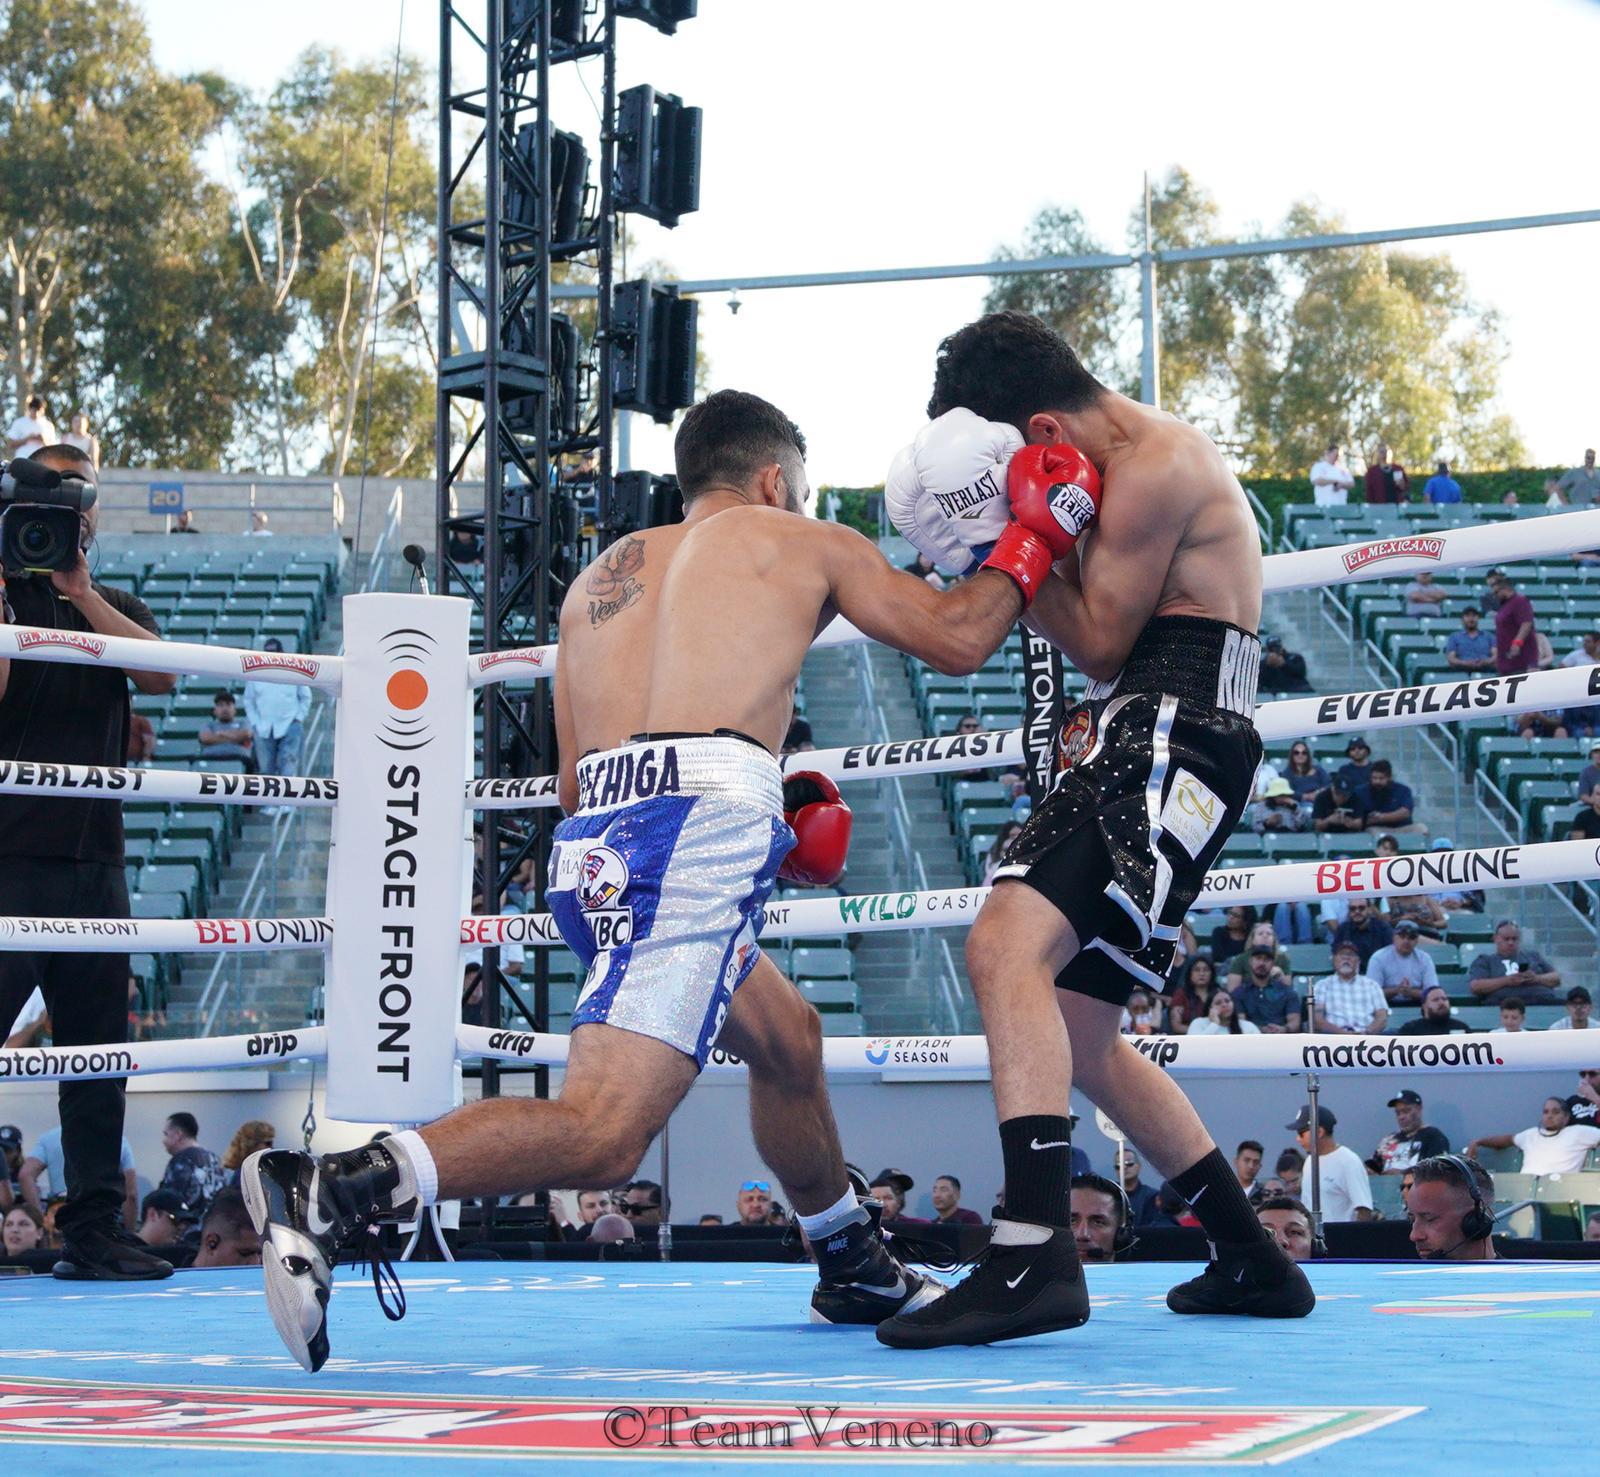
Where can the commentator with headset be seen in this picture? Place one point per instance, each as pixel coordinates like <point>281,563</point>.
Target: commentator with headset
<point>61,856</point>
<point>1102,1219</point>
<point>1451,1207</point>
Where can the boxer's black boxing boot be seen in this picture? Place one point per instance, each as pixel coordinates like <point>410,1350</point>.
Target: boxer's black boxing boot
<point>861,1278</point>
<point>1028,1281</point>
<point>1251,1279</point>
<point>305,1211</point>
<point>108,1253</point>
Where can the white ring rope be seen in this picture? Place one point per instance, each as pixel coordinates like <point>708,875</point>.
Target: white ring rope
<point>1220,1056</point>
<point>1304,569</point>
<point>145,1058</point>
<point>163,935</point>
<point>186,658</point>
<point>212,787</point>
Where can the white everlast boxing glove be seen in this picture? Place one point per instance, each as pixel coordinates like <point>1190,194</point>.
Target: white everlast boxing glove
<point>946,491</point>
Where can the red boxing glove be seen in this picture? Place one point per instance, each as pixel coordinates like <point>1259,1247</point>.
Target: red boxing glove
<point>1025,557</point>
<point>820,821</point>
<point>1054,492</point>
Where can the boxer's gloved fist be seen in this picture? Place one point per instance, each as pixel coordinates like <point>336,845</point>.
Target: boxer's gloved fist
<point>945,491</point>
<point>820,821</point>
<point>1054,494</point>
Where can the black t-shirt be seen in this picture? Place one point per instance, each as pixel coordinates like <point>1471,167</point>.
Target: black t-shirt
<point>1586,823</point>
<point>64,713</point>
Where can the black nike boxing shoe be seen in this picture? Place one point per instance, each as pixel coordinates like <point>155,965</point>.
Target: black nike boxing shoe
<point>862,1278</point>
<point>306,1211</point>
<point>1028,1281</point>
<point>108,1253</point>
<point>1251,1279</point>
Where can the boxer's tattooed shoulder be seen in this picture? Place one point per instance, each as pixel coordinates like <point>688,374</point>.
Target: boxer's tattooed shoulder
<point>613,584</point>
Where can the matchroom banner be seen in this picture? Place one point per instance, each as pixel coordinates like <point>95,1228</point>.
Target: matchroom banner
<point>395,879</point>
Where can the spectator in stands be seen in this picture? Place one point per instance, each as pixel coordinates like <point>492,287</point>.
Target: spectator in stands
<point>1512,970</point>
<point>1278,811</point>
<point>49,1158</point>
<point>1441,1203</point>
<point>1585,825</point>
<point>1541,725</point>
<point>1191,1000</point>
<point>1581,484</point>
<point>193,1172</point>
<point>21,1231</point>
<point>1281,670</point>
<point>1591,1227</point>
<point>1423,597</point>
<point>10,1163</point>
<point>1331,480</point>
<point>158,1223</point>
<point>1357,768</point>
<point>31,431</point>
<point>1411,1140</point>
<point>1441,487</point>
<point>227,1236</point>
<point>799,738</point>
<point>1142,1014</point>
<point>710,1220</point>
<point>79,435</point>
<point>183,523</point>
<point>1346,1196</point>
<point>1232,936</point>
<point>1388,804</point>
<point>608,1230</point>
<point>1143,1201</point>
<point>1096,1213</point>
<point>1364,929</point>
<point>1589,775</point>
<point>225,735</point>
<point>1470,649</point>
<point>1347,1002</point>
<point>1223,1019</point>
<point>1304,774</point>
<point>1586,653</point>
<point>1289,1170</point>
<point>1420,909</point>
<point>1513,1018</point>
<point>1386,480</point>
<point>1247,1164</point>
<point>258,525</point>
<point>997,849</point>
<point>947,1207</point>
<point>1579,1001</point>
<point>1489,601</point>
<point>1455,900</point>
<point>923,567</point>
<point>1288,1222</point>
<point>1516,648</point>
<point>1584,1104</point>
<point>276,714</point>
<point>641,1203</point>
<point>1435,1017</point>
<point>1402,970</point>
<point>1555,1145</point>
<point>889,1195</point>
<point>592,1204</point>
<point>1237,968</point>
<point>1336,809</point>
<point>754,1201</point>
<point>250,1136</point>
<point>1554,497</point>
<point>1265,999</point>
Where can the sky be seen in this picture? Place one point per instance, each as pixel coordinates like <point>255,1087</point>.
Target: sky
<point>880,133</point>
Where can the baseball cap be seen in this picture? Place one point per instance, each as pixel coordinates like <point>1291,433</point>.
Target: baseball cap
<point>10,1136</point>
<point>1580,995</point>
<point>1443,843</point>
<point>1302,1119</point>
<point>1407,1095</point>
<point>1266,949</point>
<point>167,1200</point>
<point>1431,989</point>
<point>896,1177</point>
<point>1406,925</point>
<point>1346,945</point>
<point>1358,743</point>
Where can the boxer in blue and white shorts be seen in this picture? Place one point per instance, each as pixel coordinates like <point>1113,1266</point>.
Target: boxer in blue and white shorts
<point>657,882</point>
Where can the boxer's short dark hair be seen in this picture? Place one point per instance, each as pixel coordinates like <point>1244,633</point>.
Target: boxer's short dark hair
<point>1008,366</point>
<point>730,436</point>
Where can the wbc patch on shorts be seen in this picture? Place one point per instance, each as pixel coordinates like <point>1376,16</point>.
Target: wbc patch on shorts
<point>1193,812</point>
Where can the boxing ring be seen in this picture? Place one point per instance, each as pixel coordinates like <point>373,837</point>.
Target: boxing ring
<point>195,1362</point>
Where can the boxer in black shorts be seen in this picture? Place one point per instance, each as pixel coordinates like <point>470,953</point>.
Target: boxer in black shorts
<point>1157,603</point>
<point>1151,777</point>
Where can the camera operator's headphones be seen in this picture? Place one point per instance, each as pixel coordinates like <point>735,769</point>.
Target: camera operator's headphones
<point>1477,1224</point>
<point>1124,1239</point>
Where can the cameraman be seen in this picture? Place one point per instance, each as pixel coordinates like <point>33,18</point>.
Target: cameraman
<point>1282,671</point>
<point>62,857</point>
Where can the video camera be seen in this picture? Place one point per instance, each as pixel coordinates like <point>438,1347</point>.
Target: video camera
<point>40,522</point>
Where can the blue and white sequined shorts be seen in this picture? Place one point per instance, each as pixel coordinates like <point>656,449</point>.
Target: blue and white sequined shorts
<point>658,881</point>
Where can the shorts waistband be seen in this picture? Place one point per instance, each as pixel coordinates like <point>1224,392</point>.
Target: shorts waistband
<point>723,765</point>
<point>1209,663</point>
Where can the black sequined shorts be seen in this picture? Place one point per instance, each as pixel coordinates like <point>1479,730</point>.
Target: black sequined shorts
<point>1153,773</point>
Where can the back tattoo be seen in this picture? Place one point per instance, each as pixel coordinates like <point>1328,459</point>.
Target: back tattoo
<point>613,583</point>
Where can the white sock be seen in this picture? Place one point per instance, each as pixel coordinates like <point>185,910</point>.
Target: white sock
<point>826,1221</point>
<point>414,1153</point>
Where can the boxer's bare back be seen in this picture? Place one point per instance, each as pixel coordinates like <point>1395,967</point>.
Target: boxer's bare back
<point>703,625</point>
<point>1175,536</point>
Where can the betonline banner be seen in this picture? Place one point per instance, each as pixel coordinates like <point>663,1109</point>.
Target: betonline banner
<point>400,757</point>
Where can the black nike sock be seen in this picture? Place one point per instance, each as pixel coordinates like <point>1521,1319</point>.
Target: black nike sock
<point>1038,1160</point>
<point>1218,1200</point>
